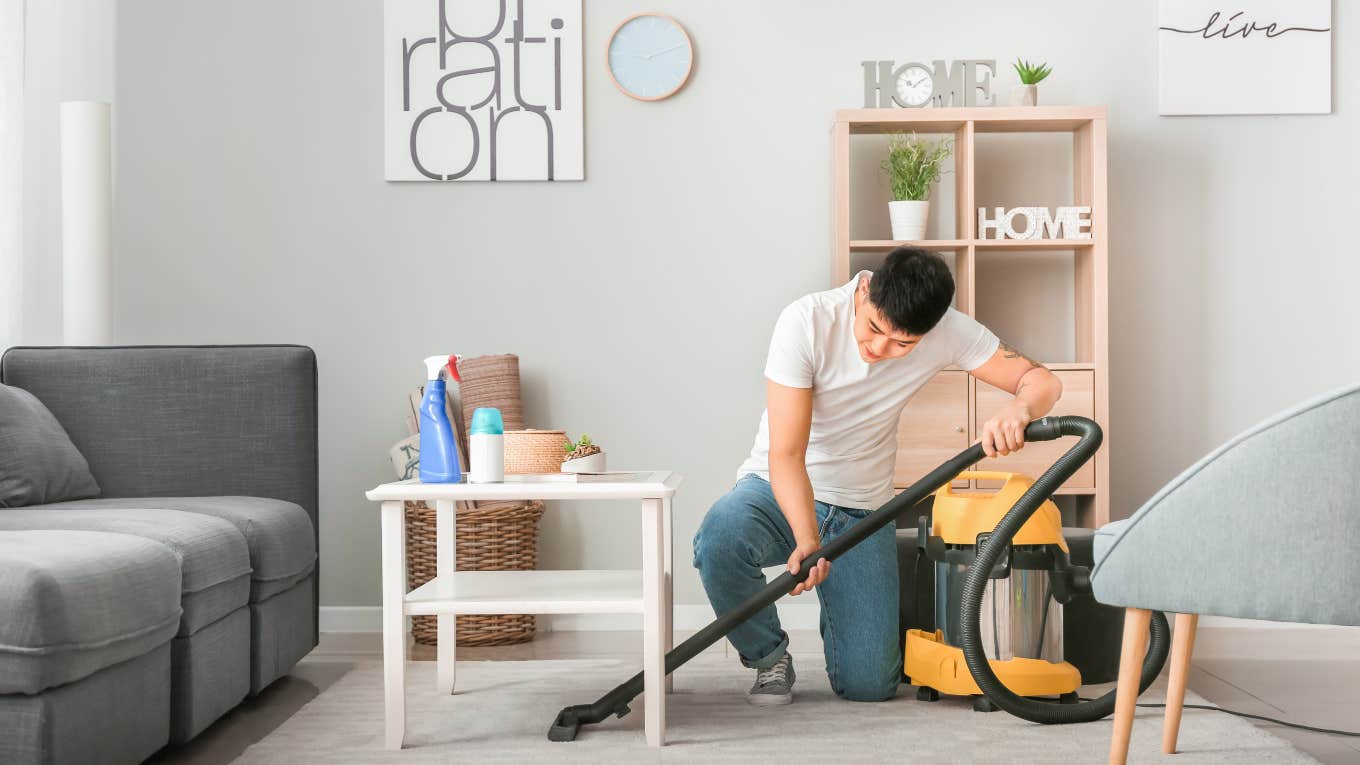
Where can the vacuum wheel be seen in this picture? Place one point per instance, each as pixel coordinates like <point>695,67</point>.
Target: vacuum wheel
<point>926,693</point>
<point>984,704</point>
<point>1069,698</point>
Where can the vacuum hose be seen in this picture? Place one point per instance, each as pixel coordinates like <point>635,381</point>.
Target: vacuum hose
<point>616,702</point>
<point>992,549</point>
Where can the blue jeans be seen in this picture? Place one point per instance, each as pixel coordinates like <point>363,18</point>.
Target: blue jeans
<point>745,531</point>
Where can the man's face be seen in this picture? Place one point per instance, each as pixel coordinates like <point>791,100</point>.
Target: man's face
<point>876,339</point>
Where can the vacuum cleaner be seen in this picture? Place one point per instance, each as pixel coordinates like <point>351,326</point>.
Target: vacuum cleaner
<point>992,555</point>
<point>1021,614</point>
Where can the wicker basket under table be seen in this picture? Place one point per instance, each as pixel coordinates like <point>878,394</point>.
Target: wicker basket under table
<point>495,536</point>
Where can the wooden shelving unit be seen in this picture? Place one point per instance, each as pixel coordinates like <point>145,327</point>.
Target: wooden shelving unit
<point>944,417</point>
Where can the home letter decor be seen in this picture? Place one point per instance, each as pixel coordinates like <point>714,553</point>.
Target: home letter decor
<point>483,90</point>
<point>1067,223</point>
<point>964,82</point>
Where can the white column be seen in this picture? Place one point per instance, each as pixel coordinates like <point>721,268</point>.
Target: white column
<point>86,216</point>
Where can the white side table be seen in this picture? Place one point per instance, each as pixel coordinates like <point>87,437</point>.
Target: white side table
<point>646,591</point>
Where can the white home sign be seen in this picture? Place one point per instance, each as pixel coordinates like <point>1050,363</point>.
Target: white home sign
<point>1067,223</point>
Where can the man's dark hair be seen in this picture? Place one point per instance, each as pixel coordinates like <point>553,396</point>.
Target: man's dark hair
<point>913,289</point>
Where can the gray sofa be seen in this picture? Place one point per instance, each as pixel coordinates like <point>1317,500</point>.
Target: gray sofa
<point>141,616</point>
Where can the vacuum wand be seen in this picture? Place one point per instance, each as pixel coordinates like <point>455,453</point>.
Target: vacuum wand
<point>569,720</point>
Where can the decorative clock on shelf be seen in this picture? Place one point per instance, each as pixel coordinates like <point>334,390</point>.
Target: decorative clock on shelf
<point>650,56</point>
<point>964,82</point>
<point>915,85</point>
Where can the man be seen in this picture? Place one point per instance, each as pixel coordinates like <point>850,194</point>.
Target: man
<point>842,364</point>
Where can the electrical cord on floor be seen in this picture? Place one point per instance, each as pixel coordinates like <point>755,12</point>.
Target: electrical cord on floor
<point>1300,726</point>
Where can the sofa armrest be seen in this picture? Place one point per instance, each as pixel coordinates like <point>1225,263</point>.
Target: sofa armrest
<point>160,421</point>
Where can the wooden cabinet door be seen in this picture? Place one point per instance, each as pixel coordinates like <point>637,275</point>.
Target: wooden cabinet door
<point>933,428</point>
<point>1078,398</point>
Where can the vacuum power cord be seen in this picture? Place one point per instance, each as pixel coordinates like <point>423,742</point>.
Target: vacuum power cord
<point>1275,720</point>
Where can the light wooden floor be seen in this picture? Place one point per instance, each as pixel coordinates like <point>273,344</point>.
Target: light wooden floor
<point>1324,694</point>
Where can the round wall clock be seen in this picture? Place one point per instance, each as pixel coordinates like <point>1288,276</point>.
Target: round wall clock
<point>650,56</point>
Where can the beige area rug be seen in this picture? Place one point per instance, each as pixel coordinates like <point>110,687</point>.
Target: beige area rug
<point>502,710</point>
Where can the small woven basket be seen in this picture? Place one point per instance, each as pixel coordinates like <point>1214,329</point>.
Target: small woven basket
<point>496,536</point>
<point>535,451</point>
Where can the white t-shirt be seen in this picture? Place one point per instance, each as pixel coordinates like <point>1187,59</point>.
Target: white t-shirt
<point>852,445</point>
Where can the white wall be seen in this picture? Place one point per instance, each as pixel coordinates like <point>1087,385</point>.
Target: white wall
<point>251,208</point>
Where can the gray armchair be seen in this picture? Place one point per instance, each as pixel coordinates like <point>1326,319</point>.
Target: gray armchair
<point>1264,527</point>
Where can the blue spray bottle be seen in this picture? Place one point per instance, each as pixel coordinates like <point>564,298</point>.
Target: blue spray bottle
<point>438,446</point>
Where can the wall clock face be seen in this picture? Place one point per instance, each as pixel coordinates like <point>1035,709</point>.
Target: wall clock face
<point>915,86</point>
<point>650,56</point>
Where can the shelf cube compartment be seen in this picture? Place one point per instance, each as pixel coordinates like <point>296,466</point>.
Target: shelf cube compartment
<point>871,188</point>
<point>1038,301</point>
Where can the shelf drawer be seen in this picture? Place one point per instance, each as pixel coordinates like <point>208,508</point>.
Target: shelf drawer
<point>1078,398</point>
<point>933,427</point>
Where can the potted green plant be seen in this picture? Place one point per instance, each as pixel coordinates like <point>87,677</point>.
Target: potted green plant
<point>914,165</point>
<point>1027,93</point>
<point>583,456</point>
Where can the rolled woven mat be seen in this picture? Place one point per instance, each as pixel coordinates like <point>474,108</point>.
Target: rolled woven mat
<point>492,381</point>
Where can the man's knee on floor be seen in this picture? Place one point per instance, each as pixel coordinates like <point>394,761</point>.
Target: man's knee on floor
<point>873,681</point>
<point>877,688</point>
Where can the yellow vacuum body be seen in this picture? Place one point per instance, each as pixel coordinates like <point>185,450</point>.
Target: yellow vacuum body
<point>1021,622</point>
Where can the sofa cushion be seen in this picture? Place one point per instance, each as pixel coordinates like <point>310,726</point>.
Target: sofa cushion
<point>76,602</point>
<point>278,533</point>
<point>38,462</point>
<point>214,561</point>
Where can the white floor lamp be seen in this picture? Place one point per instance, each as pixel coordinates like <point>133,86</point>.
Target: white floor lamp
<point>86,213</point>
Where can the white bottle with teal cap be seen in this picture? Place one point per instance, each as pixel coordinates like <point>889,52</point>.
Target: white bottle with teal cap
<point>486,446</point>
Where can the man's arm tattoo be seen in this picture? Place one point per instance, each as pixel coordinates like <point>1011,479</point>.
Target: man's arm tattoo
<point>1012,353</point>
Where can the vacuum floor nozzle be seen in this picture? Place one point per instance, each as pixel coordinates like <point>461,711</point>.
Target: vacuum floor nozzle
<point>567,724</point>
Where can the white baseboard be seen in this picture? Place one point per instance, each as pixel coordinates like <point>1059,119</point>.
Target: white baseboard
<point>1219,637</point>
<point>350,619</point>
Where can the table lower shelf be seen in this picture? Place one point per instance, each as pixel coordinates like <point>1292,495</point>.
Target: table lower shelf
<point>529,592</point>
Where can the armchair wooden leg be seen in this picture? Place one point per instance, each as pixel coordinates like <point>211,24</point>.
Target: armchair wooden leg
<point>1136,622</point>
<point>1182,645</point>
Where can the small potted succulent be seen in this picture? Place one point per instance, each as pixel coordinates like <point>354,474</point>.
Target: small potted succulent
<point>913,165</point>
<point>1027,93</point>
<point>583,457</point>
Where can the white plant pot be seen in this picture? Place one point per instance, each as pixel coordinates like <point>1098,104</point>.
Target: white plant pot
<point>1025,95</point>
<point>591,464</point>
<point>908,219</point>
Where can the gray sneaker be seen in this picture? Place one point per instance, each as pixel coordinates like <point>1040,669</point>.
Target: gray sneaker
<point>774,685</point>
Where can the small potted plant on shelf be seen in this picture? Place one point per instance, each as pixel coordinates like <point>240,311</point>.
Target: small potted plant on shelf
<point>913,165</point>
<point>1027,93</point>
<point>583,457</point>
